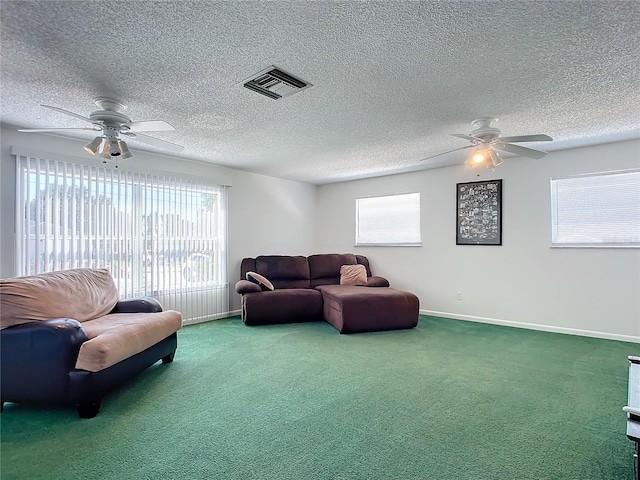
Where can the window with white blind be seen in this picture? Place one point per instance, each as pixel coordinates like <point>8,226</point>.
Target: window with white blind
<point>596,210</point>
<point>158,236</point>
<point>392,220</point>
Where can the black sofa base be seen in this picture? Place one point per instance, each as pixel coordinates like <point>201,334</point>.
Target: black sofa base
<point>87,389</point>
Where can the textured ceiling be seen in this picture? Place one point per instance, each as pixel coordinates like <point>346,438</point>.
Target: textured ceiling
<point>390,79</point>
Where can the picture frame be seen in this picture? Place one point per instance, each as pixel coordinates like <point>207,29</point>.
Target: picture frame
<point>479,213</point>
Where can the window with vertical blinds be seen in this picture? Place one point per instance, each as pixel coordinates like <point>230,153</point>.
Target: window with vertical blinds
<point>392,220</point>
<point>596,210</point>
<point>158,236</point>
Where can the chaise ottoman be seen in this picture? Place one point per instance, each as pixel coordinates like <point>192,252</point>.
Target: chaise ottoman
<point>356,309</point>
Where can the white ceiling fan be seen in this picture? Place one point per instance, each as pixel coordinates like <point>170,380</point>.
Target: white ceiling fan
<point>112,124</point>
<point>486,140</point>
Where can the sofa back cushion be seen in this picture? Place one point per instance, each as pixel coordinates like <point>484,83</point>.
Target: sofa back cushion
<point>81,294</point>
<point>325,267</point>
<point>284,271</point>
<point>247,265</point>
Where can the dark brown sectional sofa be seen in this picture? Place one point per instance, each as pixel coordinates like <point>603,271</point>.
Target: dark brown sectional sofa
<point>308,289</point>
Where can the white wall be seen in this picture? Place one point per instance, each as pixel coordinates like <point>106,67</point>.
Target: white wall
<point>524,282</point>
<point>266,215</point>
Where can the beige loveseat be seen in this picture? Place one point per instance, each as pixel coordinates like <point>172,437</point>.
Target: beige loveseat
<point>67,338</point>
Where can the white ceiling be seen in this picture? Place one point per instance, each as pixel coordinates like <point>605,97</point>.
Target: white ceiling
<point>391,79</point>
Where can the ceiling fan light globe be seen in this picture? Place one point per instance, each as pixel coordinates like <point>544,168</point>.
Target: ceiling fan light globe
<point>495,159</point>
<point>94,146</point>
<point>478,157</point>
<point>104,149</point>
<point>114,147</point>
<point>124,149</point>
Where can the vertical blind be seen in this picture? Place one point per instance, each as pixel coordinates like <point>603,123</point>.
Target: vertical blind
<point>392,220</point>
<point>596,210</point>
<point>158,236</point>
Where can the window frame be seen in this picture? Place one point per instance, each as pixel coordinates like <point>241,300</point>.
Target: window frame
<point>358,234</point>
<point>159,235</point>
<point>556,238</point>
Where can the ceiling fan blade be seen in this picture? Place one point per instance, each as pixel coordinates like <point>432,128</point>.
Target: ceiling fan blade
<point>150,126</point>
<point>444,153</point>
<point>466,137</point>
<point>526,138</point>
<point>86,129</point>
<point>67,112</point>
<point>518,150</point>
<point>156,142</point>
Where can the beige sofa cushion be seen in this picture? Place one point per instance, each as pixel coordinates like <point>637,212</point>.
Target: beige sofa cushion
<point>117,336</point>
<point>81,294</point>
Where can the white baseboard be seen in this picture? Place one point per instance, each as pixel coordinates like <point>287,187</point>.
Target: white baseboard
<point>534,326</point>
<point>506,323</point>
<point>220,316</point>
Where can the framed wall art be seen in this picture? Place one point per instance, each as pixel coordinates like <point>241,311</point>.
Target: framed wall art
<point>479,213</point>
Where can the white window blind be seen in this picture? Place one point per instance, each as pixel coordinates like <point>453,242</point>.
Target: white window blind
<point>158,236</point>
<point>596,210</point>
<point>392,220</point>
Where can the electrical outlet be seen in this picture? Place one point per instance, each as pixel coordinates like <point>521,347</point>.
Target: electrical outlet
<point>459,296</point>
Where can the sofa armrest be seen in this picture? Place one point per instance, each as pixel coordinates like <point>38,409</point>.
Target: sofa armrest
<point>245,286</point>
<point>36,358</point>
<point>376,281</point>
<point>137,305</point>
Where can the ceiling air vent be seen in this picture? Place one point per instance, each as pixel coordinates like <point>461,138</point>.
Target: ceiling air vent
<point>274,83</point>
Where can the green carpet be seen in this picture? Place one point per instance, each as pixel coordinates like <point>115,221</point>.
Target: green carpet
<point>447,400</point>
